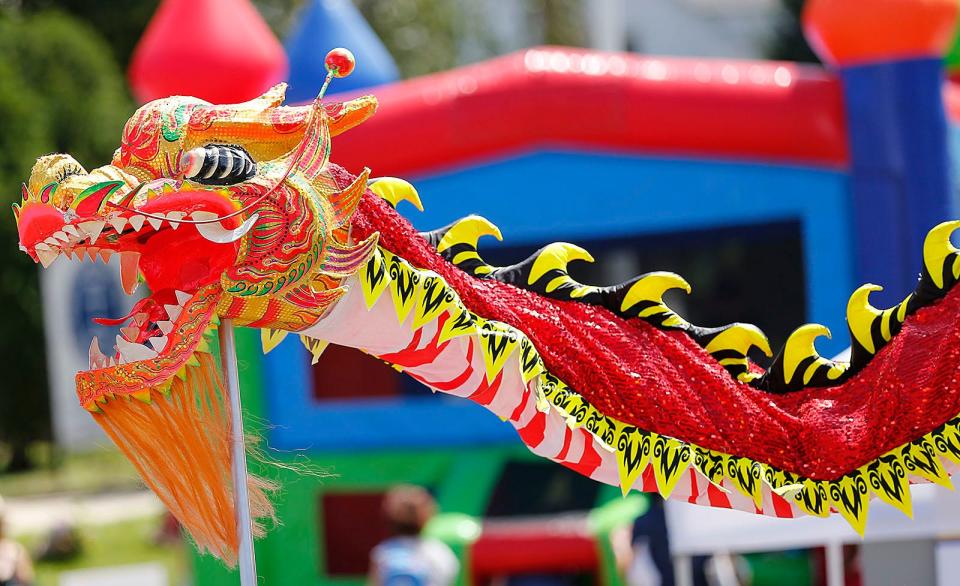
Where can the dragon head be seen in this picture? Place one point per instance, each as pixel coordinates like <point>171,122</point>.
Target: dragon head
<point>223,211</point>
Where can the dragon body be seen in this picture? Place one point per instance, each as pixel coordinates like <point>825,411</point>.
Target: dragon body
<point>236,212</point>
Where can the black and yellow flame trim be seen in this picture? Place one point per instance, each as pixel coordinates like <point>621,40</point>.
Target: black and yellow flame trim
<point>797,366</point>
<point>425,295</point>
<point>545,272</point>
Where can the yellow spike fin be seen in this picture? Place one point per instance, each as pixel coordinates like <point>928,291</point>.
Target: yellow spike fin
<point>888,480</point>
<point>395,190</point>
<point>920,459</point>
<point>556,256</point>
<point>936,248</point>
<point>740,337</point>
<point>270,338</point>
<point>670,459</point>
<point>746,476</point>
<point>851,498</point>
<point>315,347</point>
<point>497,342</point>
<point>632,456</point>
<point>468,231</point>
<point>861,315</point>
<point>652,287</point>
<point>374,278</point>
<point>800,346</point>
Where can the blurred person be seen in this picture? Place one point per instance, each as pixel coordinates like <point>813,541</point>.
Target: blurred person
<point>407,558</point>
<point>16,569</point>
<point>62,543</point>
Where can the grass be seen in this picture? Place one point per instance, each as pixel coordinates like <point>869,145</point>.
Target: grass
<point>95,471</point>
<point>127,542</point>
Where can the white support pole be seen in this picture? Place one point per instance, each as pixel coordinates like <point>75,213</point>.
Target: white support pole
<point>683,570</point>
<point>241,499</point>
<point>835,571</point>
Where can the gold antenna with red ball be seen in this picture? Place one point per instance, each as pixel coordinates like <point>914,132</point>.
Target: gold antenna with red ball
<point>339,62</point>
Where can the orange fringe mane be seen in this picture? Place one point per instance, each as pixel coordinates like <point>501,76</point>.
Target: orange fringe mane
<point>179,442</point>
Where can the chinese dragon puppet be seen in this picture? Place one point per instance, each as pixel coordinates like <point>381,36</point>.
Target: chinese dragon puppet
<point>237,211</point>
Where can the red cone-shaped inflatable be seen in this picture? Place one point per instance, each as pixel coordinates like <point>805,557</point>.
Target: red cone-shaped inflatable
<point>218,50</point>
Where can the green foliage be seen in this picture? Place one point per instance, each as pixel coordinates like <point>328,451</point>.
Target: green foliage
<point>562,21</point>
<point>96,471</point>
<point>422,35</point>
<point>426,36</point>
<point>120,23</point>
<point>117,544</point>
<point>61,91</point>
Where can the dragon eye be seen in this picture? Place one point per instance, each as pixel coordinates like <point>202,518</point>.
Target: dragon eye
<point>217,164</point>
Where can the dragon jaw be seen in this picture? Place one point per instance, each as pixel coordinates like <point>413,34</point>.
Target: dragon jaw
<point>165,328</point>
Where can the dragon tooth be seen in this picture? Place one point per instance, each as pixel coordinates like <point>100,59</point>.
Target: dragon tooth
<point>159,343</point>
<point>215,232</point>
<point>53,242</point>
<point>105,254</point>
<point>42,246</point>
<point>93,229</point>
<point>155,222</point>
<point>129,271</point>
<point>182,297</point>
<point>174,218</point>
<point>91,253</point>
<point>173,311</point>
<point>94,353</point>
<point>61,236</point>
<point>118,223</point>
<point>136,222</point>
<point>47,257</point>
<point>133,352</point>
<point>165,326</point>
<point>72,230</point>
<point>130,333</point>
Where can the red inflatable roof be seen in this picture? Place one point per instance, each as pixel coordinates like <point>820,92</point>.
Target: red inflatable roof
<point>559,97</point>
<point>218,50</point>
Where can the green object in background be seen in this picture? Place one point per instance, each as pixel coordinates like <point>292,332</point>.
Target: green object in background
<point>784,568</point>
<point>454,528</point>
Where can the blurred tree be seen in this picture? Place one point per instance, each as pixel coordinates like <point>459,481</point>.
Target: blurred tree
<point>122,22</point>
<point>562,21</point>
<point>119,22</point>
<point>426,36</point>
<point>61,91</point>
<point>422,35</point>
<point>788,43</point>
